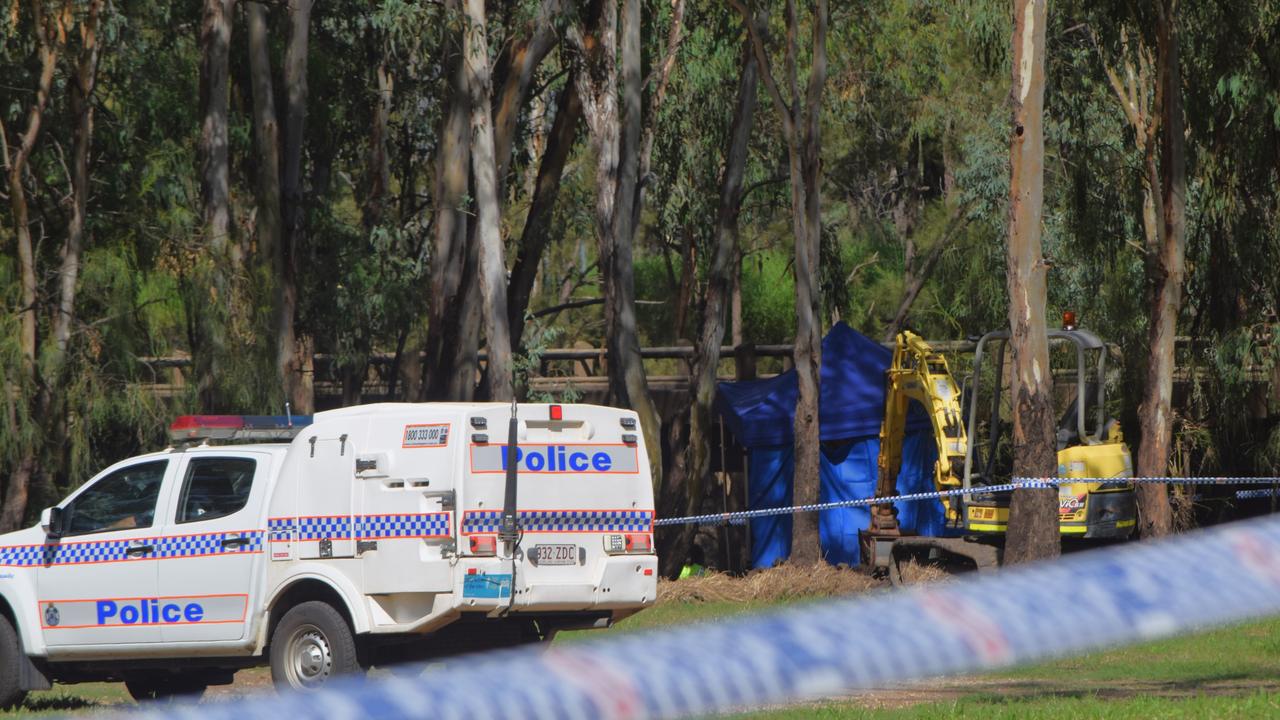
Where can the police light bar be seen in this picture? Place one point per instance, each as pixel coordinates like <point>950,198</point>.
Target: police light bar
<point>189,428</point>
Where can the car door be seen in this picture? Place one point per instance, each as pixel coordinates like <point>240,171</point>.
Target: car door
<point>96,580</point>
<point>215,538</point>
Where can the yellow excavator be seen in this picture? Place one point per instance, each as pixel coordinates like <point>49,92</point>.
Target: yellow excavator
<point>1090,445</point>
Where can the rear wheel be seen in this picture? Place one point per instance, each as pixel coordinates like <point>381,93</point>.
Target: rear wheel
<point>11,692</point>
<point>311,644</point>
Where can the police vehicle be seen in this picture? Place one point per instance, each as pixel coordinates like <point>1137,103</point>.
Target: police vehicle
<point>354,538</point>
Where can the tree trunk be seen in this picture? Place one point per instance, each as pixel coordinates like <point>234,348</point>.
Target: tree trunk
<point>801,128</point>
<point>215,45</point>
<point>1033,514</point>
<point>464,346</point>
<point>696,467</point>
<point>81,94</point>
<point>290,348</point>
<point>266,135</point>
<point>449,246</point>
<point>519,61</point>
<point>493,281</point>
<point>806,547</point>
<point>18,483</point>
<point>626,371</point>
<point>537,225</point>
<point>1165,270</point>
<point>597,79</point>
<point>377,166</point>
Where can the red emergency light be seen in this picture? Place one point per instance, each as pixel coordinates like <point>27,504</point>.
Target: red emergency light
<point>557,412</point>
<point>189,428</point>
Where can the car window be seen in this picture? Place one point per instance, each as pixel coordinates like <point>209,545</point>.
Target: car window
<point>122,500</point>
<point>215,487</point>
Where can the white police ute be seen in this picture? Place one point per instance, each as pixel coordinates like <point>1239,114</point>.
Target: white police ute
<point>358,537</point>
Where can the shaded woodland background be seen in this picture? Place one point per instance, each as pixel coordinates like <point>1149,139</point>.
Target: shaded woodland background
<point>252,184</point>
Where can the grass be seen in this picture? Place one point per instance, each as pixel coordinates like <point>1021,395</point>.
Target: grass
<point>1254,705</point>
<point>1231,673</point>
<point>66,699</point>
<point>1225,673</point>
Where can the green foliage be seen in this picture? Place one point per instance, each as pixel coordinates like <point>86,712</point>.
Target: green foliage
<point>768,298</point>
<point>914,129</point>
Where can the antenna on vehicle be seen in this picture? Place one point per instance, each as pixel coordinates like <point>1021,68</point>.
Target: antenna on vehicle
<point>288,414</point>
<point>509,525</point>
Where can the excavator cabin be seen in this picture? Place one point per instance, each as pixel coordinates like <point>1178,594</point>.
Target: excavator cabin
<point>971,428</point>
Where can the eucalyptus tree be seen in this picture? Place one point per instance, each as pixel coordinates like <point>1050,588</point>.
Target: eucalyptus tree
<point>800,117</point>
<point>1033,512</point>
<point>218,266</point>
<point>689,472</point>
<point>608,65</point>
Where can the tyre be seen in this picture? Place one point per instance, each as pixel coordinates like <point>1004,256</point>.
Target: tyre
<point>311,644</point>
<point>166,687</point>
<point>11,692</point>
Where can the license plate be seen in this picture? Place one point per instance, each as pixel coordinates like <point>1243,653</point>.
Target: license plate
<point>555,555</point>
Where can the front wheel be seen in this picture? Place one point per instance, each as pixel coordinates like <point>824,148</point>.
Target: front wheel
<point>11,692</point>
<point>311,644</point>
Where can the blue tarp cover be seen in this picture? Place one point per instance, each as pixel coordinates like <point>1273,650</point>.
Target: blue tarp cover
<point>848,473</point>
<point>760,413</point>
<point>851,407</point>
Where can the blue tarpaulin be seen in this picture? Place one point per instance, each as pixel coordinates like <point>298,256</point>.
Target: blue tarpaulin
<point>760,414</point>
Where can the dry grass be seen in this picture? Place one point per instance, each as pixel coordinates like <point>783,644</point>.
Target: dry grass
<point>915,573</point>
<point>784,582</point>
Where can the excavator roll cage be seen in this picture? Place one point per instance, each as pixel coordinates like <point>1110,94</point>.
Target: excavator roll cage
<point>1085,449</point>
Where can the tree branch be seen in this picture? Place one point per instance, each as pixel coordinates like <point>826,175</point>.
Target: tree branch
<point>766,69</point>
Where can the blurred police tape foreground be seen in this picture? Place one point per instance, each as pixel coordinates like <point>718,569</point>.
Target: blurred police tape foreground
<point>737,517</point>
<point>1086,601</point>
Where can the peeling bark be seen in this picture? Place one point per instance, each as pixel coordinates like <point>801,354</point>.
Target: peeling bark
<point>1165,271</point>
<point>1150,95</point>
<point>615,139</point>
<point>1033,513</point>
<point>493,281</point>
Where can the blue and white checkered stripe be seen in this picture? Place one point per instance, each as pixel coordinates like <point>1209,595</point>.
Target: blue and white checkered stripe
<point>410,525</point>
<point>367,527</point>
<point>73,553</point>
<point>164,548</point>
<point>282,529</point>
<point>486,521</point>
<point>1129,594</point>
<point>319,528</point>
<point>26,555</point>
<point>207,544</point>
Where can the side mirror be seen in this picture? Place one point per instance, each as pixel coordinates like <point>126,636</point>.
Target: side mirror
<point>51,521</point>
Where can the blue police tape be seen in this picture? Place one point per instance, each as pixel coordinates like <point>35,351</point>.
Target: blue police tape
<point>1248,494</point>
<point>1120,595</point>
<point>1018,483</point>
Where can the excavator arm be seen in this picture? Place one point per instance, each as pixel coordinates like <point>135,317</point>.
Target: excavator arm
<point>918,373</point>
